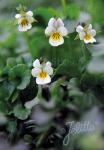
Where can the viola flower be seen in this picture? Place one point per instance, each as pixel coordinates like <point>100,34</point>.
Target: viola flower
<point>56,31</point>
<point>42,72</point>
<point>86,33</point>
<point>24,20</point>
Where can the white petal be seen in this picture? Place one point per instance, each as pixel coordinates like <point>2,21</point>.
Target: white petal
<point>36,63</point>
<point>51,22</point>
<point>86,41</point>
<point>90,27</point>
<point>93,32</point>
<point>20,20</point>
<point>60,22</point>
<point>17,16</point>
<point>30,19</point>
<point>35,72</point>
<point>48,69</point>
<point>81,35</point>
<point>29,26</point>
<point>22,29</point>
<point>56,43</point>
<point>48,63</point>
<point>29,13</point>
<point>43,81</point>
<point>49,30</point>
<point>79,29</point>
<point>92,40</point>
<point>63,31</point>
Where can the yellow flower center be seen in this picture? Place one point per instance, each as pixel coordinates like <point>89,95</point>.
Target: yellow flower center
<point>43,75</point>
<point>56,36</point>
<point>24,22</point>
<point>87,37</point>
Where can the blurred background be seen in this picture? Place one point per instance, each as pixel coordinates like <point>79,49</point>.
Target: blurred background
<point>77,89</point>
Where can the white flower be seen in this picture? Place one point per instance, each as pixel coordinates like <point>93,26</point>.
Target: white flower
<point>56,31</point>
<point>24,20</point>
<point>87,33</point>
<point>42,72</point>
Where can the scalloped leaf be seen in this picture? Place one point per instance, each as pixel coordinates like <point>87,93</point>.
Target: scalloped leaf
<point>20,76</point>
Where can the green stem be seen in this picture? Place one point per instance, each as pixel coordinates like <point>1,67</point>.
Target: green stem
<point>26,35</point>
<point>55,57</point>
<point>83,50</point>
<point>63,3</point>
<point>39,95</point>
<point>69,47</point>
<point>27,39</point>
<point>51,55</point>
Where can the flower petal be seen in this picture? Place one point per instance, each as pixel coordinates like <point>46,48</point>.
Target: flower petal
<point>41,81</point>
<point>60,22</point>
<point>92,40</point>
<point>20,20</point>
<point>79,29</point>
<point>17,16</point>
<point>48,69</point>
<point>49,30</point>
<point>22,29</point>
<point>35,72</point>
<point>36,63</point>
<point>30,19</point>
<point>63,31</point>
<point>51,22</point>
<point>48,63</point>
<point>81,35</point>
<point>93,32</point>
<point>90,27</point>
<point>29,26</point>
<point>29,13</point>
<point>56,42</point>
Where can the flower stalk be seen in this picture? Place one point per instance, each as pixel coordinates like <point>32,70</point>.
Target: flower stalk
<point>63,3</point>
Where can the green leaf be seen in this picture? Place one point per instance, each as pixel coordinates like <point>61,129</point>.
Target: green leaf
<point>14,96</point>
<point>77,37</point>
<point>11,62</point>
<point>12,126</point>
<point>3,107</point>
<point>45,13</point>
<point>21,112</point>
<point>6,88</point>
<point>56,90</point>
<point>38,49</point>
<point>20,76</point>
<point>91,80</point>
<point>68,68</point>
<point>74,89</point>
